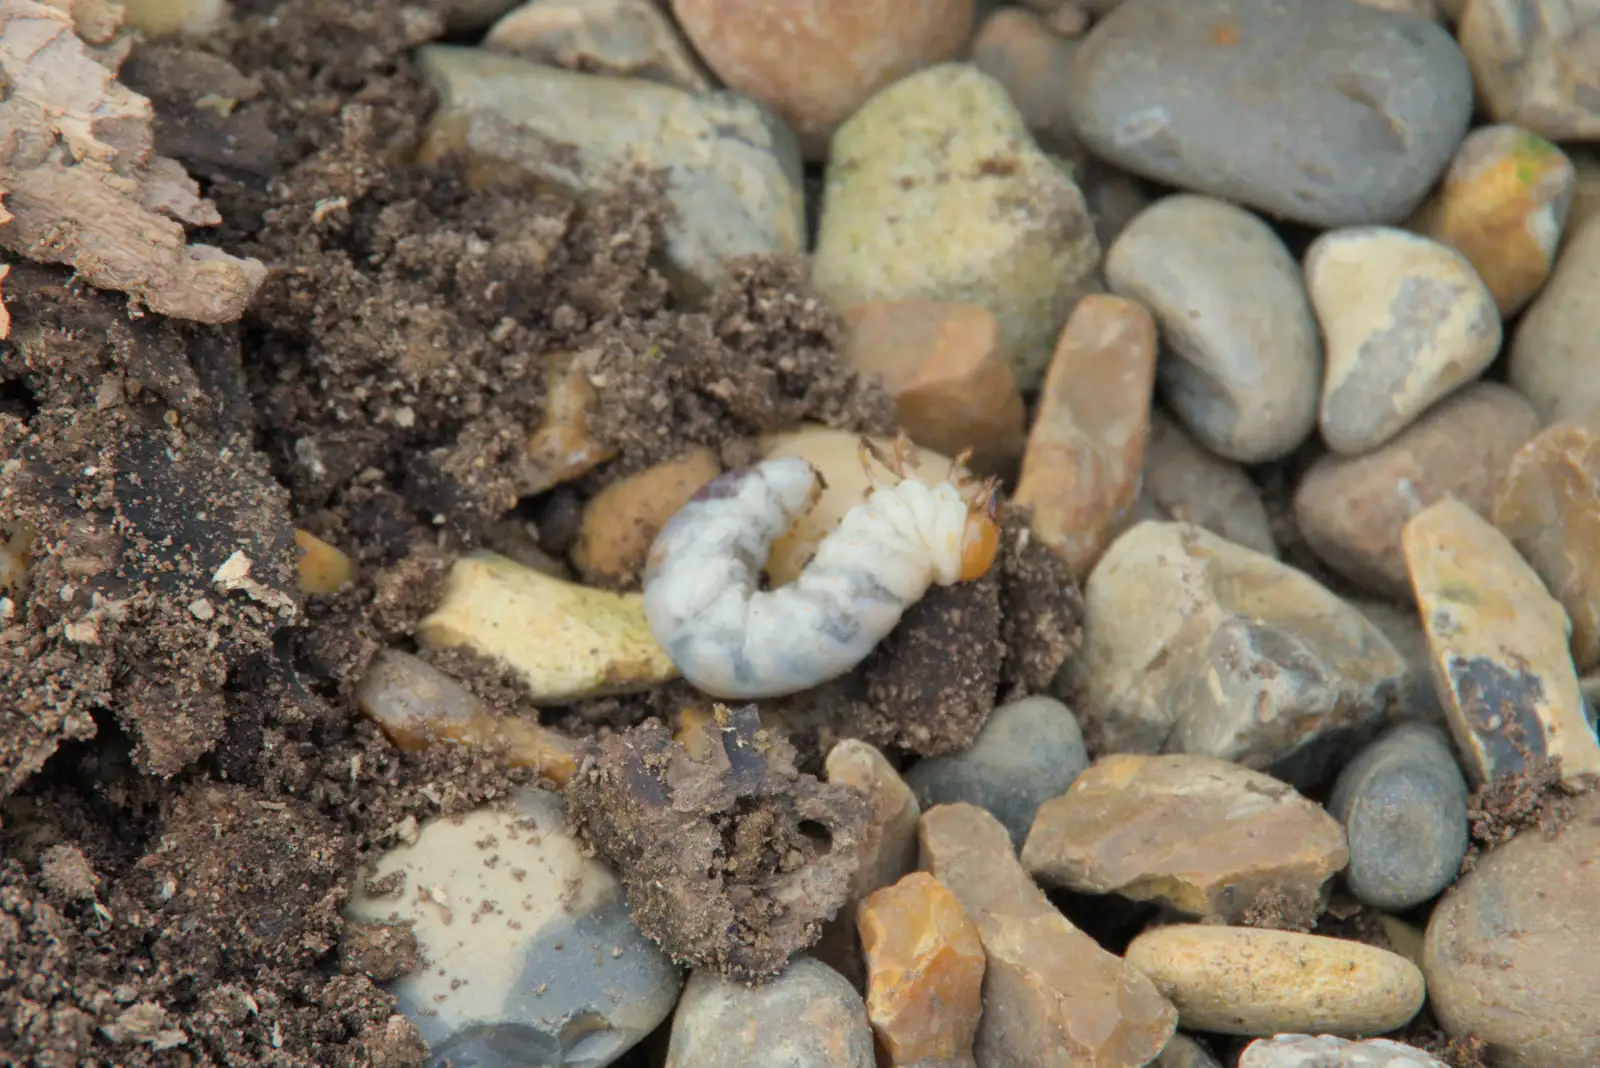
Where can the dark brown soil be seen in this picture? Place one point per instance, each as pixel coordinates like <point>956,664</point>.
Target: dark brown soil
<point>1534,798</point>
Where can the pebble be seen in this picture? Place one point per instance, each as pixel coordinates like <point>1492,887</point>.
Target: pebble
<point>1017,49</point>
<point>1585,189</point>
<point>1351,509</point>
<point>565,641</point>
<point>1502,205</point>
<point>1549,506</point>
<point>815,62</point>
<point>1537,63</point>
<point>1330,1051</point>
<point>1337,114</point>
<point>1509,952</point>
<point>621,38</point>
<point>532,958</point>
<point>836,454</point>
<point>1498,640</point>
<point>1080,473</point>
<point>1243,358</point>
<point>1404,631</point>
<point>156,19</point>
<point>1422,9</point>
<point>1250,981</point>
<point>621,521</point>
<point>733,170</point>
<point>1029,751</point>
<point>1182,481</point>
<point>925,965</point>
<point>321,568</point>
<point>888,846</point>
<point>1403,803</point>
<point>1193,644</point>
<point>809,1016</point>
<point>945,366</point>
<point>1185,1052</point>
<point>1407,321</point>
<point>561,448</point>
<point>1198,835</point>
<point>922,201</point>
<point>1554,360</point>
<point>1051,994</point>
<point>417,705</point>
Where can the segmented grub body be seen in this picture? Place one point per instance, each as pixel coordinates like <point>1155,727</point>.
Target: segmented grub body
<point>736,641</point>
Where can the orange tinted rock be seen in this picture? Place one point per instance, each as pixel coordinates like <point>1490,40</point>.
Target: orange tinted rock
<point>925,971</point>
<point>1204,836</point>
<point>815,62</point>
<point>322,568</point>
<point>621,521</point>
<point>950,378</point>
<point>561,448</point>
<point>1081,469</point>
<point>1549,506</point>
<point>1052,996</point>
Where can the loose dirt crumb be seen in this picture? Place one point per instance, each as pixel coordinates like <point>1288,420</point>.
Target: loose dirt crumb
<point>382,952</point>
<point>730,857</point>
<point>1534,797</point>
<point>1041,607</point>
<point>1275,910</point>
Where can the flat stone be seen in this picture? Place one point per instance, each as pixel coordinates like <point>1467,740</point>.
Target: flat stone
<point>1196,834</point>
<point>1193,644</point>
<point>816,62</point>
<point>1554,360</point>
<point>1536,64</point>
<point>809,1016</point>
<point>1549,506</point>
<point>921,202</point>
<point>1407,321</point>
<point>1527,912</point>
<point>1388,97</point>
<point>566,641</point>
<point>925,967</point>
<point>532,959</point>
<point>888,846</point>
<point>733,169</point>
<point>418,706</point>
<point>1184,482</point>
<point>1019,50</point>
<point>1330,1051</point>
<point>1403,803</point>
<point>1243,360</point>
<point>945,366</point>
<point>1028,752</point>
<point>620,522</point>
<point>1351,509</point>
<point>622,38</point>
<point>1248,981</point>
<point>321,567</point>
<point>1501,664</point>
<point>1502,205</point>
<point>1050,992</point>
<point>1080,473</point>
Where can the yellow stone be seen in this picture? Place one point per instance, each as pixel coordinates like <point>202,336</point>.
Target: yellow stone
<point>924,970</point>
<point>621,521</point>
<point>1498,647</point>
<point>323,569</point>
<point>566,641</point>
<point>561,448</point>
<point>1081,469</point>
<point>1248,981</point>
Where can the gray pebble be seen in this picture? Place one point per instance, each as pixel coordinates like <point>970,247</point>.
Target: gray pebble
<point>808,1017</point>
<point>1241,361</point>
<point>1030,751</point>
<point>1330,114</point>
<point>1329,1051</point>
<point>1403,802</point>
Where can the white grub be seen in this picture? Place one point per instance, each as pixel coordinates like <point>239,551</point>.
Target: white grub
<point>732,640</point>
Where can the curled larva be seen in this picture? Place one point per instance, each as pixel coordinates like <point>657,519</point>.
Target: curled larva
<point>733,640</point>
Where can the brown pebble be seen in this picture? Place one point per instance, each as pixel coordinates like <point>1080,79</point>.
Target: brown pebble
<point>1498,641</point>
<point>1203,836</point>
<point>925,971</point>
<point>951,379</point>
<point>1549,506</point>
<point>1052,994</point>
<point>322,568</point>
<point>1081,470</point>
<point>621,521</point>
<point>561,448</point>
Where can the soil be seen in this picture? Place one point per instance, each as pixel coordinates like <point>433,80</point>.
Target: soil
<point>1534,798</point>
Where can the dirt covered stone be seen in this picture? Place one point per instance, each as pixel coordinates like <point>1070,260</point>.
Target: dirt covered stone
<point>731,858</point>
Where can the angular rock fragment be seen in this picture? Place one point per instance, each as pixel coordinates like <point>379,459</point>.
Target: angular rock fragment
<point>1499,644</point>
<point>925,971</point>
<point>732,859</point>
<point>1200,835</point>
<point>1051,993</point>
